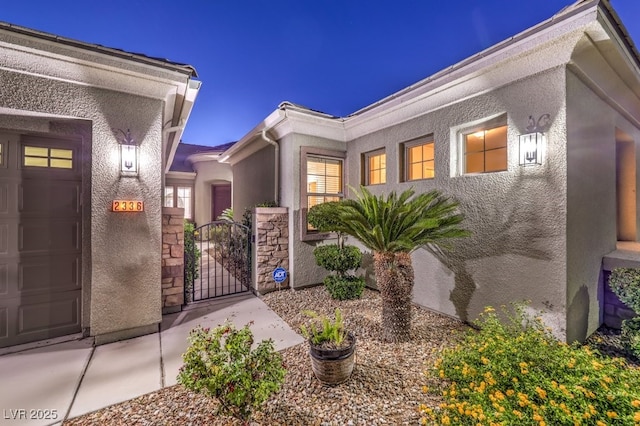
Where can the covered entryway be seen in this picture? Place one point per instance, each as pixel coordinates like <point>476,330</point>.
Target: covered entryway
<point>223,251</point>
<point>40,238</point>
<point>220,199</point>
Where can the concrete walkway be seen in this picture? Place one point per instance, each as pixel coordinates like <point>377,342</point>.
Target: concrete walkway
<point>46,385</point>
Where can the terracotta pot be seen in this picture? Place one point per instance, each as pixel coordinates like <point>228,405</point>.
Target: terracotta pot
<point>333,366</point>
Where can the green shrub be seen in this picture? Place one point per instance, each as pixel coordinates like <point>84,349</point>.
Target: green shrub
<point>221,364</point>
<point>625,283</point>
<point>322,216</point>
<point>344,287</point>
<point>515,373</point>
<point>191,257</point>
<point>338,258</point>
<point>631,335</point>
<point>333,258</point>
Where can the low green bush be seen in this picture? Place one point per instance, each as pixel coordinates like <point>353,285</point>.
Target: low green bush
<point>625,283</point>
<point>333,258</point>
<point>631,335</point>
<point>221,364</point>
<point>514,372</point>
<point>344,287</point>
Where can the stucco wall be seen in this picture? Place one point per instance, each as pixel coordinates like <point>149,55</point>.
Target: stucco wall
<point>253,181</point>
<point>517,249</point>
<point>122,259</point>
<point>208,173</point>
<point>591,197</point>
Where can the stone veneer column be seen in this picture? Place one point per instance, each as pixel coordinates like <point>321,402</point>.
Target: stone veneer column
<point>271,229</point>
<point>172,259</point>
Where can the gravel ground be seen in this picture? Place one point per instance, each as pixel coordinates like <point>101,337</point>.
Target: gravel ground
<point>385,387</point>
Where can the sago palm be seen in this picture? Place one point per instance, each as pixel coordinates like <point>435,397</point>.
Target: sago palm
<point>392,228</point>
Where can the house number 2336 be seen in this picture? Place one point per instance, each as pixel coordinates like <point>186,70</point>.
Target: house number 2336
<point>127,206</point>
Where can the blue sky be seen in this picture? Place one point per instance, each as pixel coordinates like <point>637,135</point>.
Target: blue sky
<point>336,56</point>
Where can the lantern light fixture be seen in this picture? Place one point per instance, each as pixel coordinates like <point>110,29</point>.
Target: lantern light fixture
<point>533,143</point>
<point>129,155</point>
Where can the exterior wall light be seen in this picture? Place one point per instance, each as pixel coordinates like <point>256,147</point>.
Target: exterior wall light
<point>129,155</point>
<point>532,144</point>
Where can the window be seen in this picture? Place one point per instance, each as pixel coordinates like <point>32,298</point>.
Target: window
<point>168,196</point>
<point>485,149</point>
<point>375,167</point>
<point>179,196</point>
<point>419,160</point>
<point>321,180</point>
<point>184,200</point>
<point>38,156</point>
<point>324,180</point>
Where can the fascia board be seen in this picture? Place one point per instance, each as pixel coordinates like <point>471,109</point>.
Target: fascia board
<point>546,49</point>
<point>203,156</point>
<point>138,79</point>
<point>251,142</point>
<point>300,122</point>
<point>180,175</point>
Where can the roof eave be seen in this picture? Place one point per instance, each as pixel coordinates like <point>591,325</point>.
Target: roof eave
<point>186,69</point>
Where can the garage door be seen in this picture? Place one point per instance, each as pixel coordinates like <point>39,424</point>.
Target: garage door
<point>40,238</point>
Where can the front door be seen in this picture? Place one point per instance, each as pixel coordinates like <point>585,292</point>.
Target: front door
<point>220,199</point>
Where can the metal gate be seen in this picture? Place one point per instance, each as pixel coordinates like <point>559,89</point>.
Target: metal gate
<point>221,260</point>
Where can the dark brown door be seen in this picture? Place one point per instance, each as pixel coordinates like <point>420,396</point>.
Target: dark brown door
<point>40,239</point>
<point>220,199</point>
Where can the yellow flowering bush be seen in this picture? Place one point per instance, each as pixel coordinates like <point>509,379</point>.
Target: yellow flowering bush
<point>514,372</point>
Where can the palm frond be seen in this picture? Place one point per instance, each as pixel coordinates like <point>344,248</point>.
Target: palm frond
<point>400,222</point>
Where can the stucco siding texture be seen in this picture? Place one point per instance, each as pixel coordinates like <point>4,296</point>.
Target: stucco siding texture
<point>253,177</point>
<point>124,257</point>
<point>517,248</point>
<point>304,270</point>
<point>591,201</point>
<point>209,173</point>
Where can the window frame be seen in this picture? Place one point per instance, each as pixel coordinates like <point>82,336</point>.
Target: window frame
<point>174,199</point>
<point>406,166</point>
<point>482,125</point>
<point>366,178</point>
<point>305,153</point>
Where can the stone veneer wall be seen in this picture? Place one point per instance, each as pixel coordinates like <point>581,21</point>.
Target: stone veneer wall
<point>172,259</point>
<point>271,225</point>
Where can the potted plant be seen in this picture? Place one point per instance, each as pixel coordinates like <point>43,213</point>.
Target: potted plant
<point>331,348</point>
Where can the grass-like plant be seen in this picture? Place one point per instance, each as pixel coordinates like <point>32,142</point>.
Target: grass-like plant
<point>321,330</point>
<point>192,254</point>
<point>220,363</point>
<point>515,372</point>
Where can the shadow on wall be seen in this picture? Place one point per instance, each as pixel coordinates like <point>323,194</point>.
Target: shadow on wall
<point>578,316</point>
<point>512,223</point>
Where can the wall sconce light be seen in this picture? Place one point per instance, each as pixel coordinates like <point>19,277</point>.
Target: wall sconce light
<point>129,155</point>
<point>532,144</point>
